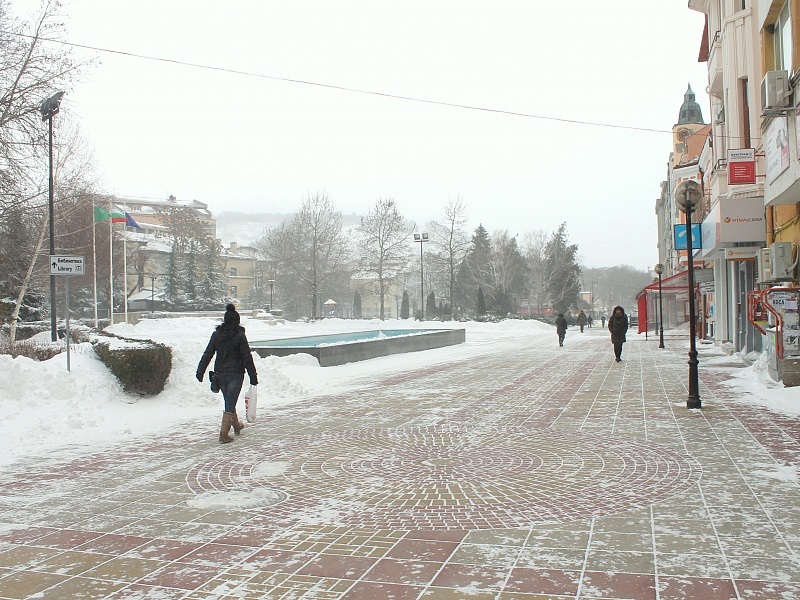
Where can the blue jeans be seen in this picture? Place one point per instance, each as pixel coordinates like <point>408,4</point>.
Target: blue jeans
<point>230,384</point>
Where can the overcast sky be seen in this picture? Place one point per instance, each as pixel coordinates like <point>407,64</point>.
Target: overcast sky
<point>252,141</point>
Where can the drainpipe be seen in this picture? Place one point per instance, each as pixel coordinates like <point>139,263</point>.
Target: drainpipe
<point>770,214</point>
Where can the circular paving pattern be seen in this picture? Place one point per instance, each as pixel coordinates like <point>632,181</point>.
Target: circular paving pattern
<point>449,476</point>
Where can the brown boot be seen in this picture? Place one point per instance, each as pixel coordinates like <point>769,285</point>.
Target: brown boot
<point>237,424</point>
<point>227,421</point>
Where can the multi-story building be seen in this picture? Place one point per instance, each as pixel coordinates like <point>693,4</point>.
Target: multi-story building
<point>147,253</point>
<point>734,226</point>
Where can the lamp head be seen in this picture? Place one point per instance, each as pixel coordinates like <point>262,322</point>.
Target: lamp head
<point>688,194</point>
<point>49,106</point>
<point>659,269</point>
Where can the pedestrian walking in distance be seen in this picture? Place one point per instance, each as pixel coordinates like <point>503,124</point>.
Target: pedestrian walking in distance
<point>561,328</point>
<point>582,320</point>
<point>618,326</point>
<point>234,356</point>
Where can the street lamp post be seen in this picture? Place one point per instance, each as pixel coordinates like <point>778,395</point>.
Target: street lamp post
<point>659,269</point>
<point>421,238</point>
<point>271,287</point>
<point>49,108</point>
<point>688,195</point>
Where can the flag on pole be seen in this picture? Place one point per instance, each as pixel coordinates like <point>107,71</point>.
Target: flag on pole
<point>129,222</point>
<point>118,216</point>
<point>100,214</point>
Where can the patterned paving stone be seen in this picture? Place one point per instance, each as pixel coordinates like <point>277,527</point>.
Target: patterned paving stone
<point>450,477</point>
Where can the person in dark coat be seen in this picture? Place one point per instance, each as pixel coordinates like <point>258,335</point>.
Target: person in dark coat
<point>582,320</point>
<point>618,326</point>
<point>234,356</point>
<point>561,328</point>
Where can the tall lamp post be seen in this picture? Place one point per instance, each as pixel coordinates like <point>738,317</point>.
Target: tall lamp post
<point>421,238</point>
<point>659,269</point>
<point>49,108</point>
<point>688,194</point>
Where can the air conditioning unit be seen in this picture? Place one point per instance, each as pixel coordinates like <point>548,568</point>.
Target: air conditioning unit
<point>765,265</point>
<point>784,257</point>
<point>776,90</point>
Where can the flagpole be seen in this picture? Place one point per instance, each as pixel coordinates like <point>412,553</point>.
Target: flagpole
<point>94,267</point>
<point>110,264</point>
<point>125,264</point>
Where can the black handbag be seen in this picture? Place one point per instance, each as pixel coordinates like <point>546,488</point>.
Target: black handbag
<point>212,377</point>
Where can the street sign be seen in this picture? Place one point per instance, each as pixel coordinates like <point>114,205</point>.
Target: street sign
<point>67,265</point>
<point>706,287</point>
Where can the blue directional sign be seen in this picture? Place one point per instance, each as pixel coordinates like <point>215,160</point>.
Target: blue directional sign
<point>680,237</point>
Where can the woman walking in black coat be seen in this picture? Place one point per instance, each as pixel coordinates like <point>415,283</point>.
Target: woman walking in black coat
<point>561,328</point>
<point>233,357</point>
<point>618,326</point>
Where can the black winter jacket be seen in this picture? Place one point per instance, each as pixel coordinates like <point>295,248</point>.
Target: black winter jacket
<point>618,326</point>
<point>233,353</point>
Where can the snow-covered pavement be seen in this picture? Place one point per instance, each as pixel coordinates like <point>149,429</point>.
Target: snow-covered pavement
<point>505,467</point>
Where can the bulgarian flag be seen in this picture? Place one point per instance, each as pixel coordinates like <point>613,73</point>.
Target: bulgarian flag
<point>117,216</point>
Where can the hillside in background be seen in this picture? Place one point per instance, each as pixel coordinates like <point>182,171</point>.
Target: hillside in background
<point>246,228</point>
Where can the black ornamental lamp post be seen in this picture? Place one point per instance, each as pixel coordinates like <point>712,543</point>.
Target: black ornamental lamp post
<point>271,287</point>
<point>688,195</point>
<point>659,269</point>
<point>49,108</point>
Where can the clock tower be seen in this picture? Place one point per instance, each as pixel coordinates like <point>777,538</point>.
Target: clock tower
<point>690,120</point>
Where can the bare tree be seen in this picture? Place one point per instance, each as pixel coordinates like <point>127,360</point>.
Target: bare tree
<point>383,244</point>
<point>311,249</point>
<point>533,247</point>
<point>30,71</point>
<point>451,242</point>
<point>508,271</point>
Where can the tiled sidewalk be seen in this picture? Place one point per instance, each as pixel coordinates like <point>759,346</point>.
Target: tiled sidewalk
<point>536,474</point>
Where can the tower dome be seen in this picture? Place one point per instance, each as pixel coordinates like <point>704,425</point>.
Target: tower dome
<point>690,110</point>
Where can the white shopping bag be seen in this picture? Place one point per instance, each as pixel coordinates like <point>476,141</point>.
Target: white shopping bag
<point>251,403</point>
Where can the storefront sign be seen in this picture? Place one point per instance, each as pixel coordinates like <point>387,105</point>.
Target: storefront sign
<point>681,242</point>
<point>742,253</point>
<point>776,148</point>
<point>741,166</point>
<point>734,220</point>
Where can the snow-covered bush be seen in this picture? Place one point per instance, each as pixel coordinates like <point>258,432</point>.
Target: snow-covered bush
<point>142,366</point>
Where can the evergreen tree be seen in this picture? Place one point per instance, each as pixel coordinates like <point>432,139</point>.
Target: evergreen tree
<point>563,272</point>
<point>481,308</point>
<point>462,299</point>
<point>405,306</point>
<point>213,290</point>
<point>430,306</point>
<point>357,305</point>
<point>479,264</point>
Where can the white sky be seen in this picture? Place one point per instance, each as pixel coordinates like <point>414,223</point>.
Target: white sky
<point>49,412</point>
<point>256,144</point>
